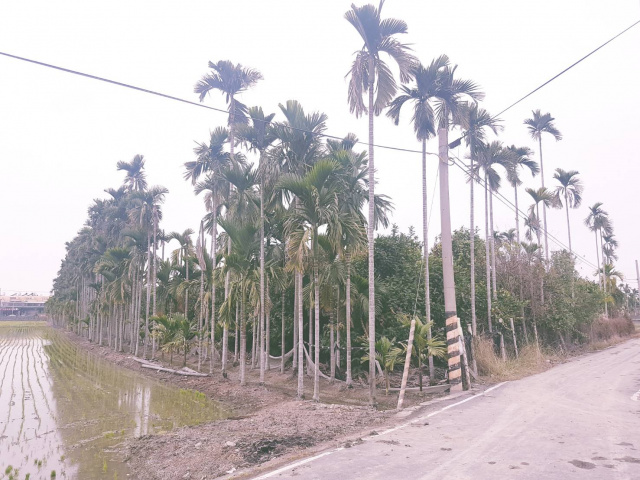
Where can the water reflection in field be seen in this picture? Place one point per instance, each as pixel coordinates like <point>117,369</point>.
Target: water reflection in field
<point>66,410</point>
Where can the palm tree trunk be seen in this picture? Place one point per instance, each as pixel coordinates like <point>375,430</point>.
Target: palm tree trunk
<point>332,345</point>
<point>544,207</point>
<point>425,245</point>
<point>186,291</point>
<point>348,321</point>
<point>262,323</point>
<point>295,320</point>
<point>573,285</point>
<point>146,326</point>
<point>337,345</point>
<point>235,339</point>
<point>600,284</point>
<point>282,336</point>
<point>316,301</point>
<point>370,241</point>
<point>493,248</point>
<point>243,337</point>
<point>524,324</point>
<point>155,259</point>
<point>300,338</point>
<point>486,249</point>
<point>311,327</point>
<point>604,275</point>
<point>214,248</point>
<point>472,256</point>
<point>543,269</point>
<point>267,332</point>
<point>452,328</point>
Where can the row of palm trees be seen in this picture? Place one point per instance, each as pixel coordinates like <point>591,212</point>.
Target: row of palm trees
<point>293,222</point>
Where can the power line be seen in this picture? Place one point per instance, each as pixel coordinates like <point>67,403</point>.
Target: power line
<point>324,135</point>
<point>568,68</point>
<point>505,201</point>
<point>189,102</point>
<point>495,117</point>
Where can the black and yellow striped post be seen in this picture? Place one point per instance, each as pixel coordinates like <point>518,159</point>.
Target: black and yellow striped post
<point>454,353</point>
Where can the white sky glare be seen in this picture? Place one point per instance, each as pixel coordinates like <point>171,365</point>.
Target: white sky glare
<point>61,135</point>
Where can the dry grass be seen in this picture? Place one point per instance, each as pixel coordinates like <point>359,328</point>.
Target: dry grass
<point>530,361</point>
<point>603,333</point>
<point>605,329</point>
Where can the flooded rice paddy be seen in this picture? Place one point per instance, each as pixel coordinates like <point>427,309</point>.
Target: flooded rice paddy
<point>65,411</point>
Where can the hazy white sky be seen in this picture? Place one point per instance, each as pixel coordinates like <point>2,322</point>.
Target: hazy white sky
<point>61,135</point>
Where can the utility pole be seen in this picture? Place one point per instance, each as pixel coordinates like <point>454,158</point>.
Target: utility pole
<point>450,314</point>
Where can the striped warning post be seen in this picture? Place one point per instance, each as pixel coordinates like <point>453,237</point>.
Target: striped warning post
<point>453,349</point>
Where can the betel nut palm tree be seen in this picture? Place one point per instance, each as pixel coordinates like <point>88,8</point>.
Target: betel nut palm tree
<point>211,160</point>
<point>475,122</point>
<point>370,75</point>
<point>257,137</point>
<point>537,125</point>
<point>520,159</point>
<point>451,97</point>
<point>420,94</point>
<point>569,193</point>
<point>316,206</point>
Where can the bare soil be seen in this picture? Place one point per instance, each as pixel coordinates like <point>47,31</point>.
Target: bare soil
<point>266,421</point>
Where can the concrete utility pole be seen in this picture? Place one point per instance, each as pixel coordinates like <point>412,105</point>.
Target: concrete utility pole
<point>451,318</point>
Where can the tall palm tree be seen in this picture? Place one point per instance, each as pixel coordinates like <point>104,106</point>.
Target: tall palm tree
<point>520,159</point>
<point>596,221</point>
<point>537,125</point>
<point>568,192</point>
<point>316,207</point>
<point>451,97</point>
<point>491,156</point>
<point>211,160</point>
<point>184,253</point>
<point>475,122</point>
<point>349,233</point>
<point>135,179</point>
<point>229,80</point>
<point>369,74</point>
<point>546,197</point>
<point>258,137</point>
<point>421,95</point>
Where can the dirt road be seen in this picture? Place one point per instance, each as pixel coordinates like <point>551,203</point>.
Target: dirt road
<point>578,420</point>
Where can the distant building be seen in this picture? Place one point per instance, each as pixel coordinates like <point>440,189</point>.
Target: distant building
<point>22,305</point>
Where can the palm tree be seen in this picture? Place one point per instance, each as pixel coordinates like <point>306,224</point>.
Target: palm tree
<point>489,157</point>
<point>596,221</point>
<point>242,262</point>
<point>229,80</point>
<point>520,159</point>
<point>258,137</point>
<point>537,125</point>
<point>135,179</point>
<point>546,197</point>
<point>184,254</point>
<point>371,75</point>
<point>211,159</point>
<point>475,121</point>
<point>569,191</point>
<point>449,102</point>
<point>421,95</point>
<point>316,193</point>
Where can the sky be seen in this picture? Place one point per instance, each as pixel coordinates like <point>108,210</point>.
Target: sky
<point>62,135</point>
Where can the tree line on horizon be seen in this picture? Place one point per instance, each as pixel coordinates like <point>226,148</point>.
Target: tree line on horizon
<point>285,260</point>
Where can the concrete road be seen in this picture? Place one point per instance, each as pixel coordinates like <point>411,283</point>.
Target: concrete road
<point>579,420</point>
